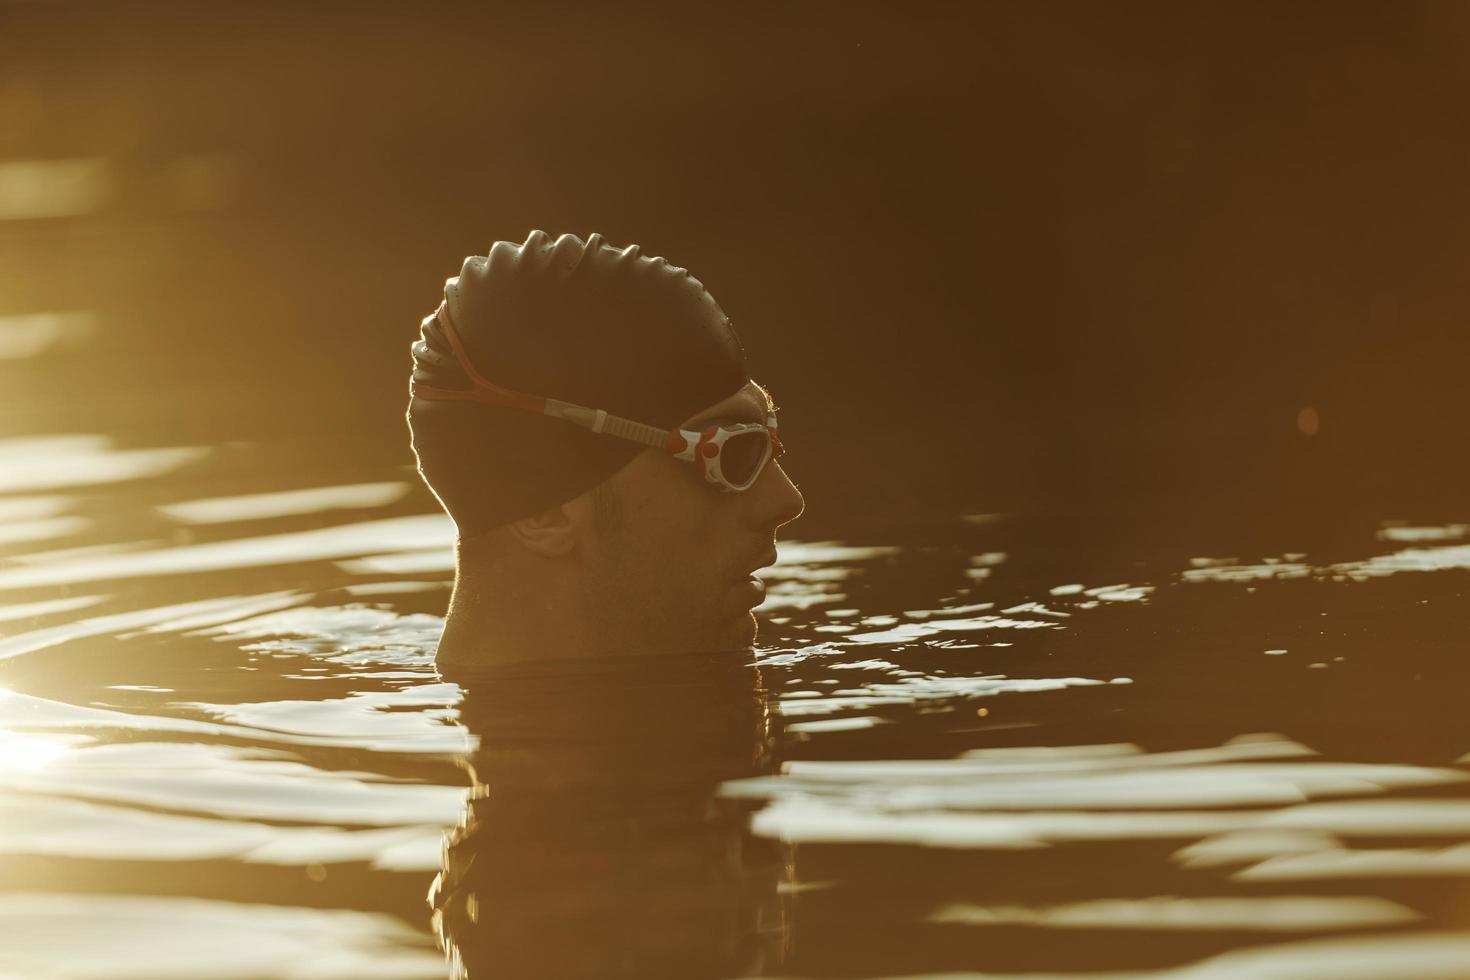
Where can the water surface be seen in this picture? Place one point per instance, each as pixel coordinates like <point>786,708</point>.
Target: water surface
<point>968,746</point>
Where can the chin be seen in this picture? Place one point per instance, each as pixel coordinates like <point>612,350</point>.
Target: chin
<point>737,634</point>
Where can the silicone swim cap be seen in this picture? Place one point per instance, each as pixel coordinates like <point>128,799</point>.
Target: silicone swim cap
<point>580,321</point>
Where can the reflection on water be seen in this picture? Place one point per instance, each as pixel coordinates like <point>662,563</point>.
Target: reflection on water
<point>32,189</point>
<point>402,533</point>
<point>973,751</point>
<point>29,334</point>
<point>1262,914</point>
<point>257,506</point>
<point>189,613</point>
<point>177,938</point>
<point>55,462</point>
<point>593,845</point>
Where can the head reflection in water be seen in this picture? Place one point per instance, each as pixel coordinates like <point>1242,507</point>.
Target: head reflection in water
<point>595,844</point>
<point>585,415</point>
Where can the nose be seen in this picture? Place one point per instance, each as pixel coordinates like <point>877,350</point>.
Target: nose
<point>776,499</point>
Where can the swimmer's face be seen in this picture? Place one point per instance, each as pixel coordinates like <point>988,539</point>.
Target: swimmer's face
<point>671,569</point>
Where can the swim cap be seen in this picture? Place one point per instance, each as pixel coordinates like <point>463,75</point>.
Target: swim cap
<point>583,322</point>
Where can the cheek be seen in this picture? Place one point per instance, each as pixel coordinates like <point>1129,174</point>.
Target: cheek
<point>652,536</point>
<point>671,506</point>
<point>670,511</point>
<point>681,539</point>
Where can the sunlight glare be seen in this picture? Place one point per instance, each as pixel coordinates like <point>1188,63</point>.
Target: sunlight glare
<point>26,753</point>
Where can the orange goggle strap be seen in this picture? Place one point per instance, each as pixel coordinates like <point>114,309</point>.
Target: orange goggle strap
<point>677,442</point>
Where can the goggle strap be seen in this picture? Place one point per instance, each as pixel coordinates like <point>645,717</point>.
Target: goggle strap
<point>648,435</point>
<point>434,394</point>
<point>614,425</point>
<point>483,391</point>
<point>674,441</point>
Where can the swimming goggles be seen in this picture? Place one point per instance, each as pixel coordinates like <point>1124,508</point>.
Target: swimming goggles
<point>731,457</point>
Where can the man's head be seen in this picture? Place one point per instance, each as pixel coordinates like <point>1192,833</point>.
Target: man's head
<point>630,541</point>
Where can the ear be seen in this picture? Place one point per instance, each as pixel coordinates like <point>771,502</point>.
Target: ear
<point>552,533</point>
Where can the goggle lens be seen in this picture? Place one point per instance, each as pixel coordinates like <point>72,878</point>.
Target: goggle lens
<point>743,455</point>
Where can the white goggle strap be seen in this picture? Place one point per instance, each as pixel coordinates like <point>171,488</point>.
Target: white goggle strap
<point>615,425</point>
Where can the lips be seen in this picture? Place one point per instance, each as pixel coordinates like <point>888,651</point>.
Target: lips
<point>748,579</point>
<point>765,561</point>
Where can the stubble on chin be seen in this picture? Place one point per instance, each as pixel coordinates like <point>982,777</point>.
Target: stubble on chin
<point>644,618</point>
<point>740,635</point>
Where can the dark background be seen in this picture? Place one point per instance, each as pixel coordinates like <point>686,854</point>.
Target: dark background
<point>1080,259</point>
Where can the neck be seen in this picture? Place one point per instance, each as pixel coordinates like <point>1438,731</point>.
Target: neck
<point>505,611</point>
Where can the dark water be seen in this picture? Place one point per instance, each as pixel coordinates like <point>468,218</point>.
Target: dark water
<point>972,747</point>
